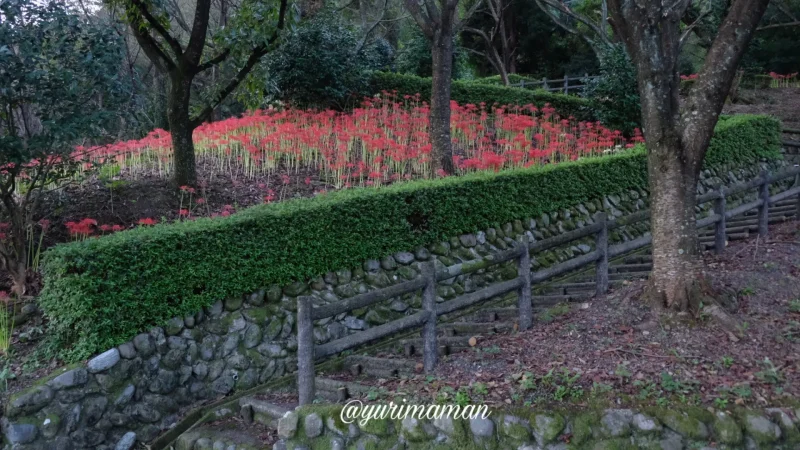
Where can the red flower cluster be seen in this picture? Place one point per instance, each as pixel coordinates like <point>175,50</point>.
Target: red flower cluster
<point>780,81</point>
<point>689,77</point>
<point>82,229</point>
<point>384,141</point>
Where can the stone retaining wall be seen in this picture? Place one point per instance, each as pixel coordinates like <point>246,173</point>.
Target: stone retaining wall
<point>315,427</point>
<point>137,390</point>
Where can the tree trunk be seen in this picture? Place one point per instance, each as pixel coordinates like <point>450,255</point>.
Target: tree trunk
<point>442,147</point>
<point>674,283</point>
<point>161,100</point>
<point>181,129</point>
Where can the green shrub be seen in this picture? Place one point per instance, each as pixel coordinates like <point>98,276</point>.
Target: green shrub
<point>615,94</point>
<point>476,92</point>
<point>414,56</point>
<point>513,78</point>
<point>101,292</point>
<point>319,65</point>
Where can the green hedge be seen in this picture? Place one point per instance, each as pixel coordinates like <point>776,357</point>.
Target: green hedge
<point>513,78</point>
<point>101,292</point>
<point>476,92</point>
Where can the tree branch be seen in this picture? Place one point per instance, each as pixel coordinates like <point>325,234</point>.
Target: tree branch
<point>460,22</point>
<point>197,40</point>
<point>255,55</point>
<point>153,22</point>
<point>213,61</point>
<point>152,49</point>
<point>779,25</point>
<point>423,21</point>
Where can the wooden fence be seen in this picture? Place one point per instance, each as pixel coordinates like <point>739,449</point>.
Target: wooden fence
<point>308,352</point>
<point>563,85</point>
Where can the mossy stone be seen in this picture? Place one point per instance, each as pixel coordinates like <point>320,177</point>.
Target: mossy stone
<point>614,444</point>
<point>726,430</point>
<point>684,424</point>
<point>547,427</point>
<point>582,428</point>
<point>378,427</point>
<point>274,293</point>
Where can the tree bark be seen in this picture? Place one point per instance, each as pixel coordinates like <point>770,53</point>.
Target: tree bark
<point>181,129</point>
<point>673,184</point>
<point>442,146</point>
<point>678,136</point>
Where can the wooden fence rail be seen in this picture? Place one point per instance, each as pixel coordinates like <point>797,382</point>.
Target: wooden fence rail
<point>308,351</point>
<point>560,85</point>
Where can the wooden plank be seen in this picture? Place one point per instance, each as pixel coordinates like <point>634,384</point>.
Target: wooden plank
<point>371,334</point>
<point>366,299</point>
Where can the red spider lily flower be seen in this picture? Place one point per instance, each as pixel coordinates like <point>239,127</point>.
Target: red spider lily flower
<point>225,213</point>
<point>44,223</point>
<point>105,227</point>
<point>4,226</point>
<point>117,228</point>
<point>183,212</point>
<point>308,181</point>
<point>200,200</point>
<point>227,207</point>
<point>285,179</point>
<point>147,221</point>
<point>3,236</point>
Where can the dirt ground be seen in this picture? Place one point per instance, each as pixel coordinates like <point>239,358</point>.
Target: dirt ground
<point>783,103</point>
<point>612,350</point>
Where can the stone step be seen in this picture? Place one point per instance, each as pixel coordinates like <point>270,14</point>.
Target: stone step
<point>586,288</point>
<point>223,435</point>
<point>253,409</point>
<point>625,268</point>
<point>473,328</point>
<point>379,367</point>
<point>637,259</point>
<point>446,345</point>
<point>622,276</point>
<point>731,237</point>
<point>339,391</point>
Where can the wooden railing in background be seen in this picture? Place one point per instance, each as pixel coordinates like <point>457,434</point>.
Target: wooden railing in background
<point>559,85</point>
<point>308,351</point>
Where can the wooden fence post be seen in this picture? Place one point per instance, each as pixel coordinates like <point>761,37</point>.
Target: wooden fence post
<point>524,291</point>
<point>720,236</point>
<point>797,208</point>
<point>430,350</point>
<point>763,210</point>
<point>544,83</point>
<point>522,83</point>
<point>602,248</point>
<point>566,85</point>
<point>305,351</point>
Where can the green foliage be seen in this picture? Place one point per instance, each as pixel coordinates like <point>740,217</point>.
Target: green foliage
<point>615,95</point>
<point>465,92</point>
<point>414,56</point>
<point>101,292</point>
<point>58,88</point>
<point>513,78</point>
<point>320,64</point>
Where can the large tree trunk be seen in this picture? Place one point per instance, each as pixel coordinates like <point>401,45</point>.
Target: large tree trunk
<point>442,147</point>
<point>673,184</point>
<point>181,129</point>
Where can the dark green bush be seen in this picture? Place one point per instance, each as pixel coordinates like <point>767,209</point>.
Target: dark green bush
<point>319,65</point>
<point>414,56</point>
<point>513,78</point>
<point>475,92</point>
<point>101,292</point>
<point>615,94</point>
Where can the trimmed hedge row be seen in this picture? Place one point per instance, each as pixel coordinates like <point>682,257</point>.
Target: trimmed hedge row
<point>465,92</point>
<point>101,292</point>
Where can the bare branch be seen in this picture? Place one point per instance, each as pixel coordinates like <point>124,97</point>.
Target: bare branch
<point>423,21</point>
<point>153,22</point>
<point>779,25</point>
